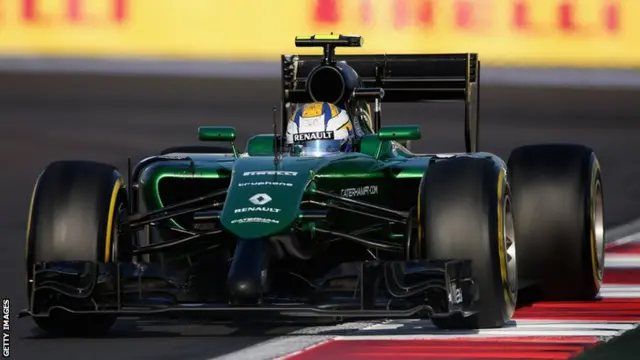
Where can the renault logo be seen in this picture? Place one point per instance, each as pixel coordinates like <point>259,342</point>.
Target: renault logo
<point>260,199</point>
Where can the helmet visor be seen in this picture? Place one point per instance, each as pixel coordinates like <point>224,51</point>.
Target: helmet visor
<point>317,147</point>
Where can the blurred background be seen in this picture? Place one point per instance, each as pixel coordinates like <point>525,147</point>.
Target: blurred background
<point>541,33</point>
<point>107,79</point>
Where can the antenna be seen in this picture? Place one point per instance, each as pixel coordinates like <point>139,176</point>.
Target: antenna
<point>276,157</point>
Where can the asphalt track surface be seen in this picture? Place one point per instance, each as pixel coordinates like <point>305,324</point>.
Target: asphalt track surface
<point>46,118</point>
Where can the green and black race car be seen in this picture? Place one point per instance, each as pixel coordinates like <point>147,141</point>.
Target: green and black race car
<point>273,232</point>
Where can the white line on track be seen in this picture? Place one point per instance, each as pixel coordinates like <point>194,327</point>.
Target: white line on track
<point>305,339</point>
<point>487,334</point>
<point>620,291</point>
<point>424,330</point>
<point>296,341</point>
<point>613,261</point>
<point>525,325</point>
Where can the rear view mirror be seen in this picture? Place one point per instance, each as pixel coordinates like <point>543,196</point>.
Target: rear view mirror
<point>216,133</point>
<point>399,132</point>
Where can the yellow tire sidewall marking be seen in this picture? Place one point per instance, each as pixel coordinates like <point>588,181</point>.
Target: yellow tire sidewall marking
<point>501,242</point>
<point>110,217</point>
<point>596,275</point>
<point>419,247</point>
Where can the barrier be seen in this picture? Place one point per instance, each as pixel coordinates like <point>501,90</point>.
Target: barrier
<point>571,33</point>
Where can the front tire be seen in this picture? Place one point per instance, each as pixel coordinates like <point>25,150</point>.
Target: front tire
<point>74,214</point>
<point>465,213</point>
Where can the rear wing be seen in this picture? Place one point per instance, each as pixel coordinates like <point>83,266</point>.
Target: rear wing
<point>403,77</point>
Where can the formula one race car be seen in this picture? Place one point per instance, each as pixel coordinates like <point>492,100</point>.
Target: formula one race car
<point>277,232</point>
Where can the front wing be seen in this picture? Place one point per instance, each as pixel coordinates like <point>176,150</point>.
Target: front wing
<point>394,289</point>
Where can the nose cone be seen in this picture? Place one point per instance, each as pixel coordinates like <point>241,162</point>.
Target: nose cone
<point>247,274</point>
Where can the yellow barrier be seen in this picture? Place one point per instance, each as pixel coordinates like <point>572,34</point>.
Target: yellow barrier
<point>582,33</point>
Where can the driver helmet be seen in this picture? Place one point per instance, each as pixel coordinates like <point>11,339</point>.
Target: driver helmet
<point>319,128</point>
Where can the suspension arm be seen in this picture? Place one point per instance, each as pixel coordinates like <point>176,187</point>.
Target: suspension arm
<point>167,212</point>
<point>381,245</point>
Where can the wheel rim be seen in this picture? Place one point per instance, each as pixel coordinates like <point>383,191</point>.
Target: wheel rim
<point>598,232</point>
<point>510,248</point>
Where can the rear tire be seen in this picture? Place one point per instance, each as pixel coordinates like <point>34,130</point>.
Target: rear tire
<point>74,213</point>
<point>465,213</point>
<point>559,215</point>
